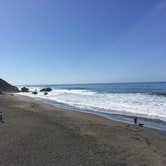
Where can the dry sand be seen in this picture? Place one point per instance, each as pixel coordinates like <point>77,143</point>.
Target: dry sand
<point>36,134</point>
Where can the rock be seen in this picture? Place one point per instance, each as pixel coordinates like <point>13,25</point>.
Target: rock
<point>46,90</point>
<point>24,89</point>
<point>6,87</point>
<point>34,93</point>
<point>45,93</point>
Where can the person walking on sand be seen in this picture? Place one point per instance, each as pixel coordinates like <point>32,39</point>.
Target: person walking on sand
<point>135,120</point>
<point>1,117</point>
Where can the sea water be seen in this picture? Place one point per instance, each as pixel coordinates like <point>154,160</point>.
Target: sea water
<point>117,101</point>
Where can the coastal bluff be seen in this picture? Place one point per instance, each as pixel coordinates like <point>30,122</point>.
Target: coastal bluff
<point>6,87</point>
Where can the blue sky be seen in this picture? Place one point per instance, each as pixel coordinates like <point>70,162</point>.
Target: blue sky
<point>81,41</point>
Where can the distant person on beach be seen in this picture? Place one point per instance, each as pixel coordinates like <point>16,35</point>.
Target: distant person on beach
<point>135,120</point>
<point>1,118</point>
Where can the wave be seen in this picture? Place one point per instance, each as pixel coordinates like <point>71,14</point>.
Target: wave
<point>144,105</point>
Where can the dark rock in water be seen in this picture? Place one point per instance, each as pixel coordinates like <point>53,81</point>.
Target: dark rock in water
<point>45,93</point>
<point>34,93</point>
<point>6,87</point>
<point>24,89</point>
<point>46,90</point>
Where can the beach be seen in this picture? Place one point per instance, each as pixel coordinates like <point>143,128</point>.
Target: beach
<point>34,133</point>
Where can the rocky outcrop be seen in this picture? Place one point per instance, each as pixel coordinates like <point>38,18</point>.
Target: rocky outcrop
<point>45,93</point>
<point>35,93</point>
<point>46,90</point>
<point>6,87</point>
<point>24,89</point>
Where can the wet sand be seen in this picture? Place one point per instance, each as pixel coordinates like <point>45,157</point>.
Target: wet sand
<point>37,134</point>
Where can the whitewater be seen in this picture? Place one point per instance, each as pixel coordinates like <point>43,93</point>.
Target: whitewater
<point>143,105</point>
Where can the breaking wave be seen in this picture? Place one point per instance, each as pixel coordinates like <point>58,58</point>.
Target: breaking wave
<point>152,105</point>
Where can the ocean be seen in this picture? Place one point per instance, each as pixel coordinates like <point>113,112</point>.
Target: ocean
<point>116,101</point>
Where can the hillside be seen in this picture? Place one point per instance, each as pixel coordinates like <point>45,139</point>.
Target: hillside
<point>6,87</point>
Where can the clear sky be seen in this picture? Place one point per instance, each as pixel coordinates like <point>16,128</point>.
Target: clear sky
<point>81,41</point>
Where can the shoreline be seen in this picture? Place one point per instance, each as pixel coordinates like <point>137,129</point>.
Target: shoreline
<point>34,133</point>
<point>154,124</point>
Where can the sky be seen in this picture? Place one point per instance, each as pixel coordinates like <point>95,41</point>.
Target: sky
<point>82,41</point>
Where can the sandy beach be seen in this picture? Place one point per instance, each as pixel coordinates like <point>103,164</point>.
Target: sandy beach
<point>36,134</point>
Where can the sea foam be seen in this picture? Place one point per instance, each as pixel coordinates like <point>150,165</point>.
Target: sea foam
<point>134,104</point>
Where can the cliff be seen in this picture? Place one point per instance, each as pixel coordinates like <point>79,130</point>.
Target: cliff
<point>6,87</point>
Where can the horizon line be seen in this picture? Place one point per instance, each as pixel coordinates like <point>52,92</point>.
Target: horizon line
<point>134,82</point>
